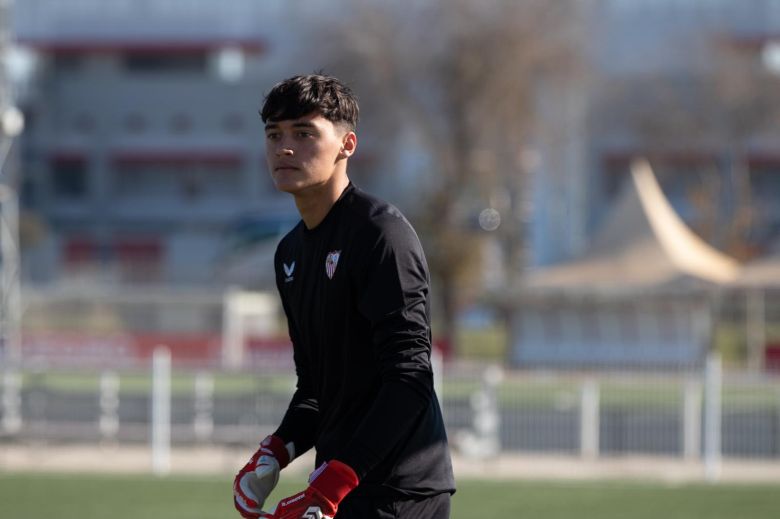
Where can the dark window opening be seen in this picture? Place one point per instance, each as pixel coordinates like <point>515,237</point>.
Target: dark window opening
<point>69,178</point>
<point>154,62</point>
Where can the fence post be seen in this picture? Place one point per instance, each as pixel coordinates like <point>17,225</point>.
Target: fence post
<point>589,419</point>
<point>161,411</point>
<point>109,405</point>
<point>204,406</point>
<point>691,420</point>
<point>437,366</point>
<point>713,381</point>
<point>484,440</point>
<point>755,333</point>
<point>12,402</point>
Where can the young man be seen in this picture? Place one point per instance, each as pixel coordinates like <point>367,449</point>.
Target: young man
<point>354,285</point>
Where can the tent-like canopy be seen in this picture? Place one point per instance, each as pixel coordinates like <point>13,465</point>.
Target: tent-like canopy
<point>643,246</point>
<point>762,273</point>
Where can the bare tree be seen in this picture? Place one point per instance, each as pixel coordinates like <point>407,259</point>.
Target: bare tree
<point>459,80</point>
<point>746,107</point>
<point>720,107</point>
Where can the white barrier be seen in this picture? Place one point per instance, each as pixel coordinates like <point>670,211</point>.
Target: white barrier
<point>161,411</point>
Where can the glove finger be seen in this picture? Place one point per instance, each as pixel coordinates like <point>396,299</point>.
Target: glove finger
<point>258,489</point>
<point>243,490</point>
<point>246,511</point>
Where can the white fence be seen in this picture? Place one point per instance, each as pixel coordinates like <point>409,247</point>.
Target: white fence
<point>698,417</point>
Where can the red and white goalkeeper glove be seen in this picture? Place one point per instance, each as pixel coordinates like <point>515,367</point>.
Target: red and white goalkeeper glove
<point>255,481</point>
<point>328,486</point>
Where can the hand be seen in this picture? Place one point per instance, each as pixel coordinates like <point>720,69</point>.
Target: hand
<point>255,481</point>
<point>328,485</point>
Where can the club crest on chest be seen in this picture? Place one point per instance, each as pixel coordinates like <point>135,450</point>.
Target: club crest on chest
<point>331,261</point>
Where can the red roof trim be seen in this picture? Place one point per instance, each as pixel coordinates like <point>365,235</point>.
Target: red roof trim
<point>751,42</point>
<point>146,46</point>
<point>67,156</point>
<point>764,158</point>
<point>183,157</point>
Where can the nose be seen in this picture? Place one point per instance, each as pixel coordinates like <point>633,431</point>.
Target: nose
<point>283,151</point>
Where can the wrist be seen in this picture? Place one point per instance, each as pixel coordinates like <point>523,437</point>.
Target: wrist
<point>273,445</point>
<point>333,481</point>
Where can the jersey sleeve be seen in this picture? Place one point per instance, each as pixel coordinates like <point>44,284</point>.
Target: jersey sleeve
<point>392,286</point>
<point>299,424</point>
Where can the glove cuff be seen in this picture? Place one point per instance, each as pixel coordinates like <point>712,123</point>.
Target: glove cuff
<point>333,481</point>
<point>274,446</point>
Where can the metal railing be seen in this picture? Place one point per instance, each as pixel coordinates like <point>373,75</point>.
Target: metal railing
<point>696,416</point>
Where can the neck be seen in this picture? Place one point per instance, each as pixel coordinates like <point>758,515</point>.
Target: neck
<point>316,202</point>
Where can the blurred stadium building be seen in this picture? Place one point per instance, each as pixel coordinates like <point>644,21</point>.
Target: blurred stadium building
<point>144,197</point>
<point>142,158</point>
<point>142,155</point>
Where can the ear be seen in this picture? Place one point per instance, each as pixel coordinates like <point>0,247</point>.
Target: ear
<point>348,145</point>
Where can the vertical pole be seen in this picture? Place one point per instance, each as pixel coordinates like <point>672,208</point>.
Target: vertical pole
<point>713,380</point>
<point>161,411</point>
<point>12,402</point>
<point>437,365</point>
<point>109,405</point>
<point>487,416</point>
<point>204,406</point>
<point>691,420</point>
<point>755,322</point>
<point>231,331</point>
<point>10,291</point>
<point>589,419</point>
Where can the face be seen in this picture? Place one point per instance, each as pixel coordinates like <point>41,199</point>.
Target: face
<point>307,152</point>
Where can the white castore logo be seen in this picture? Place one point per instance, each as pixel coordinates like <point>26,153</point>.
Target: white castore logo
<point>313,512</point>
<point>288,271</point>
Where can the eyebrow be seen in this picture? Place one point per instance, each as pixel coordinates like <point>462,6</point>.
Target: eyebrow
<point>271,126</point>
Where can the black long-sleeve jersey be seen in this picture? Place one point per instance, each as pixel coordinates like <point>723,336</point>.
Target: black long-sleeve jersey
<point>355,292</point>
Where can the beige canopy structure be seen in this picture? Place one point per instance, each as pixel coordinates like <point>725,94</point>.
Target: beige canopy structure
<point>639,296</point>
<point>643,246</point>
<point>763,273</point>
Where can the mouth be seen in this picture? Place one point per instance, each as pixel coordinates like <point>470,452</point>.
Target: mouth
<point>285,167</point>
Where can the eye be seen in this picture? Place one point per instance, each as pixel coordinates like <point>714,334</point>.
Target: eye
<point>272,136</point>
<point>305,134</point>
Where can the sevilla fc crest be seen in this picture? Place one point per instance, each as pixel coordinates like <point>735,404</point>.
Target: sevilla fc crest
<point>330,263</point>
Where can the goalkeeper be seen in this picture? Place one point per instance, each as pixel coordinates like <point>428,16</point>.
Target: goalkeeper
<point>354,285</point>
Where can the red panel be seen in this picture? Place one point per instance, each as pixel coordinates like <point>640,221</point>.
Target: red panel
<point>178,157</point>
<point>184,347</point>
<point>80,250</point>
<point>147,46</point>
<point>67,157</point>
<point>772,357</point>
<point>138,249</point>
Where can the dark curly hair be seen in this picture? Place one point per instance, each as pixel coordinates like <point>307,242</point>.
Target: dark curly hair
<point>302,95</point>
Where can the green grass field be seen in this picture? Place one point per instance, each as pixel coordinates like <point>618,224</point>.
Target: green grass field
<point>36,496</point>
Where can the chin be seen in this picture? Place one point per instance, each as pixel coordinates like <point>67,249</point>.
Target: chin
<point>289,187</point>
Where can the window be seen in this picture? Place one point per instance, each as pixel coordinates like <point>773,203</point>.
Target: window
<point>135,123</point>
<point>161,61</point>
<point>765,192</point>
<point>69,178</point>
<point>66,63</point>
<point>84,123</point>
<point>233,123</point>
<point>765,184</point>
<point>184,179</point>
